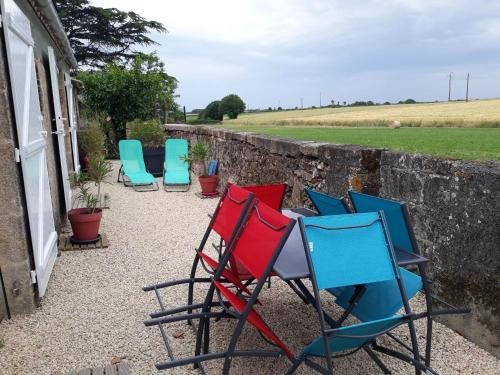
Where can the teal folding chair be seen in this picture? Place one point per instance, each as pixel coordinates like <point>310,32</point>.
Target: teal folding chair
<point>378,296</point>
<point>349,251</point>
<point>175,170</point>
<point>132,169</point>
<point>326,204</point>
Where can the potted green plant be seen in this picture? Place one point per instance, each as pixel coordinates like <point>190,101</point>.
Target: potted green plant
<point>90,142</point>
<point>198,156</point>
<point>151,135</point>
<point>86,220</point>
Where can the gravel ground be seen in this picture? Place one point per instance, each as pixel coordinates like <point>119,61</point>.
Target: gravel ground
<point>94,308</point>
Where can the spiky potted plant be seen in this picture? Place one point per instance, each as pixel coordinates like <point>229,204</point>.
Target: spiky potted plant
<point>199,156</point>
<point>86,220</point>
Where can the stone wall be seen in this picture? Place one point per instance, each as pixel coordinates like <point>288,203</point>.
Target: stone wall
<point>454,206</point>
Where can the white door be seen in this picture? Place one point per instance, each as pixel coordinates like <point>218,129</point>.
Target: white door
<point>73,125</point>
<point>54,80</point>
<point>31,139</point>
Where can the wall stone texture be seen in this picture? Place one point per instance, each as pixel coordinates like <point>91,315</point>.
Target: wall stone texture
<point>454,206</point>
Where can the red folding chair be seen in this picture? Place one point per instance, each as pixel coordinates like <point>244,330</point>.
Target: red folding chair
<point>225,221</point>
<point>256,246</point>
<point>272,195</point>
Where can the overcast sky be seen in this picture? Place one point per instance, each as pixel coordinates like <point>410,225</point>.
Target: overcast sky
<point>275,52</point>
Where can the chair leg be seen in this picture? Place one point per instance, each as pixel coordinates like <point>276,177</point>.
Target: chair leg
<point>191,285</point>
<point>119,172</point>
<point>294,366</point>
<point>377,360</point>
<point>414,342</point>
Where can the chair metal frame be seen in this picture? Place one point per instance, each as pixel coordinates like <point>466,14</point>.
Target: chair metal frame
<point>204,316</point>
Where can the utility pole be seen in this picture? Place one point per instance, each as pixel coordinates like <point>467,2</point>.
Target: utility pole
<point>449,88</point>
<point>320,99</point>
<point>467,88</point>
<point>301,104</point>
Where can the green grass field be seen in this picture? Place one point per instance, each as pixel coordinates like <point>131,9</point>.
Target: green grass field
<point>460,143</point>
<point>456,129</point>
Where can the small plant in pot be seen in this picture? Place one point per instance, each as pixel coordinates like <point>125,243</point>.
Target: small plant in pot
<point>86,220</point>
<point>151,135</point>
<point>198,156</point>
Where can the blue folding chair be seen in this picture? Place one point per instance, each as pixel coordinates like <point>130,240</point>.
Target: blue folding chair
<point>407,254</point>
<point>381,299</point>
<point>326,204</point>
<point>345,251</point>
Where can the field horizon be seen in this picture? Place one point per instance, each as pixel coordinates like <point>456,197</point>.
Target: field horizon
<point>483,113</point>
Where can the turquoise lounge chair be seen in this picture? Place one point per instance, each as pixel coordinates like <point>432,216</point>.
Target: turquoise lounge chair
<point>133,168</point>
<point>176,171</point>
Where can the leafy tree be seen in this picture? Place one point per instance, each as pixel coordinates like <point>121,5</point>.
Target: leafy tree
<point>100,36</point>
<point>270,109</point>
<point>139,90</point>
<point>212,111</point>
<point>280,108</point>
<point>407,101</point>
<point>232,105</point>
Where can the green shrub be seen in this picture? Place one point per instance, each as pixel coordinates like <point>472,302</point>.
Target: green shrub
<point>212,112</point>
<point>91,139</point>
<point>149,132</point>
<point>232,105</point>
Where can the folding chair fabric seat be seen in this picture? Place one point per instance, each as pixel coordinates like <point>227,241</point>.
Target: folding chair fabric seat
<point>138,178</point>
<point>270,194</point>
<point>380,300</point>
<point>176,171</point>
<point>132,164</point>
<point>226,273</point>
<point>253,317</point>
<point>326,204</point>
<point>339,344</point>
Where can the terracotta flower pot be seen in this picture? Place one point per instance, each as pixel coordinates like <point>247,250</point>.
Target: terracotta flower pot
<point>85,225</point>
<point>208,184</point>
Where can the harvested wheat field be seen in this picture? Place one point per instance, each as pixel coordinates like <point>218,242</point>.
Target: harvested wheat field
<point>475,113</point>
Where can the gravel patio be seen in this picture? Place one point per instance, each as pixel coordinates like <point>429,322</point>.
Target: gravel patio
<point>95,307</point>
